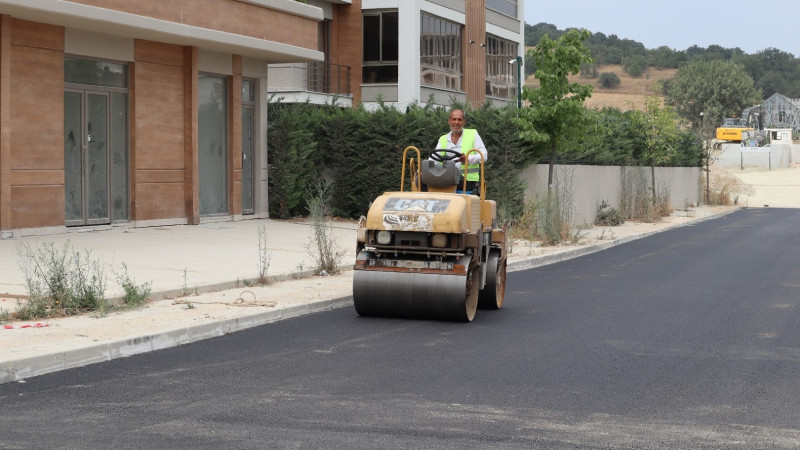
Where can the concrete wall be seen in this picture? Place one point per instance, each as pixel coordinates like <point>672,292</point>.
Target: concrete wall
<point>593,184</point>
<point>777,156</point>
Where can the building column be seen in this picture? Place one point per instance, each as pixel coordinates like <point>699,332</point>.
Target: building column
<point>235,139</point>
<point>475,62</point>
<point>5,123</point>
<point>190,123</point>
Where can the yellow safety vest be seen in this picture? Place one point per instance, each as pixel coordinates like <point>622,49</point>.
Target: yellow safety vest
<point>467,144</point>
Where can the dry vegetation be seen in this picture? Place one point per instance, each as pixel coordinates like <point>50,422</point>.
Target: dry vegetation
<point>630,90</point>
<point>725,186</point>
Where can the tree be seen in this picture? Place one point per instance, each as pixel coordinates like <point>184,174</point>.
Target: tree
<point>533,33</point>
<point>661,131</point>
<point>718,89</point>
<point>636,65</point>
<point>557,105</point>
<point>608,80</point>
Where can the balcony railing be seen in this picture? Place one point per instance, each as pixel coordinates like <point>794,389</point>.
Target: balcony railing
<point>316,77</point>
<point>327,78</point>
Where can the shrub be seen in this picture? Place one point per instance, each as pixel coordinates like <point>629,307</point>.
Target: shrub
<point>635,66</point>
<point>609,80</point>
<point>608,216</point>
<point>322,247</point>
<point>59,281</point>
<point>135,294</point>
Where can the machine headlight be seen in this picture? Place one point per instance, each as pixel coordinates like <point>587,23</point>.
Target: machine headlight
<point>384,237</point>
<point>439,240</point>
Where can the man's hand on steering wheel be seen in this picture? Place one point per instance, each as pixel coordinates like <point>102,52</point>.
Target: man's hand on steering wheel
<point>449,155</point>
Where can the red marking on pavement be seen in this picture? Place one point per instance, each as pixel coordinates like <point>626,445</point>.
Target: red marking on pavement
<point>28,325</point>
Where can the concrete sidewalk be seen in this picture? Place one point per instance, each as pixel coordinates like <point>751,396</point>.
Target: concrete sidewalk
<point>202,287</point>
<point>195,258</point>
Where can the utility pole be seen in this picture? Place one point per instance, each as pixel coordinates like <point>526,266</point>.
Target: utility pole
<point>518,60</point>
<point>708,159</point>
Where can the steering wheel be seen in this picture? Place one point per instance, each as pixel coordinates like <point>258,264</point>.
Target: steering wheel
<point>449,155</point>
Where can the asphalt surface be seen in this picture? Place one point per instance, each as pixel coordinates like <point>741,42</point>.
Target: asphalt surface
<point>685,339</point>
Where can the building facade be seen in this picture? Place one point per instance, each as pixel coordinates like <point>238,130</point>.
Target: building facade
<point>139,113</point>
<point>154,112</point>
<point>401,52</point>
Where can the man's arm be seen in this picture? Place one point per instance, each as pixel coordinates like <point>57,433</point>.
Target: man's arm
<point>474,158</point>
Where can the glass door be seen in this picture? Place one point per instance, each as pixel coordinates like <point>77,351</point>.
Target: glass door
<point>248,145</point>
<point>86,157</point>
<point>212,137</point>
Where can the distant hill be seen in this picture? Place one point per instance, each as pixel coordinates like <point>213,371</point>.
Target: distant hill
<point>772,70</point>
<point>630,90</point>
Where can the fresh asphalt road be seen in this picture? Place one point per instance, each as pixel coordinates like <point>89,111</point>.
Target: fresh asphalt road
<point>686,339</point>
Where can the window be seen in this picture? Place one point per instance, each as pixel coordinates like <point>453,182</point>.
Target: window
<point>212,143</point>
<point>501,74</point>
<point>380,47</point>
<point>507,7</point>
<point>95,73</point>
<point>440,53</point>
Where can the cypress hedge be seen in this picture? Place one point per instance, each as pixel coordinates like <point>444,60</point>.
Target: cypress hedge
<point>360,151</point>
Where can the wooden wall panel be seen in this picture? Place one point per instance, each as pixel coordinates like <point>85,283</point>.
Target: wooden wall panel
<point>159,53</point>
<point>160,176</point>
<point>157,130</point>
<point>230,16</point>
<point>475,61</point>
<point>36,125</point>
<point>37,177</point>
<point>191,115</point>
<point>37,35</point>
<point>159,116</point>
<point>235,138</point>
<point>346,46</point>
<point>155,201</point>
<point>37,206</point>
<point>5,122</point>
<point>37,111</point>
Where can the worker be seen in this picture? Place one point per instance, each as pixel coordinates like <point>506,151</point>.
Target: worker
<point>463,140</point>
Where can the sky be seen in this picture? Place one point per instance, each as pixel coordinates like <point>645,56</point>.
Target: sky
<point>750,25</point>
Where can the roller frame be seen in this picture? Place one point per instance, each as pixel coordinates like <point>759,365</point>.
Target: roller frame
<point>428,294</point>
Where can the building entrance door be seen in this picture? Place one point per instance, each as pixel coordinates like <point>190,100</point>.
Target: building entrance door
<point>86,157</point>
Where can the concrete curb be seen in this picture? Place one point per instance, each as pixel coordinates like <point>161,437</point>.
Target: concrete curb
<point>537,261</point>
<point>21,369</point>
<point>17,370</point>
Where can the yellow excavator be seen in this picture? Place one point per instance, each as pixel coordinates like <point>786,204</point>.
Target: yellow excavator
<point>433,251</point>
<point>731,130</point>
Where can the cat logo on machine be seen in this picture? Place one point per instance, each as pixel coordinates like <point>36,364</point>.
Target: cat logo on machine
<point>416,205</point>
<point>408,222</point>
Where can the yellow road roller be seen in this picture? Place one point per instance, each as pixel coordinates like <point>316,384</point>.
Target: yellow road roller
<point>432,251</point>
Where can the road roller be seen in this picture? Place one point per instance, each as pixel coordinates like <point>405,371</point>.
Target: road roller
<point>432,250</point>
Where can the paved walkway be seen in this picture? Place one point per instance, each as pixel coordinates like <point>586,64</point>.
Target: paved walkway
<point>202,285</point>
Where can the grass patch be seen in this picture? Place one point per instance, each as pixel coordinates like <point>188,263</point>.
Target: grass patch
<point>63,282</point>
<point>135,294</point>
<point>322,248</point>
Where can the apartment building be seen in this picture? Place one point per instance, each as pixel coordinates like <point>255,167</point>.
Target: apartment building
<point>154,112</point>
<point>140,113</point>
<point>406,51</point>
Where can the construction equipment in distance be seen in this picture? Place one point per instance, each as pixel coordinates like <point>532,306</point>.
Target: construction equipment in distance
<point>435,254</point>
<point>731,130</point>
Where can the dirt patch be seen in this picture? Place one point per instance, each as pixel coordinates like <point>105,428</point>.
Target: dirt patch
<point>777,188</point>
<point>629,94</point>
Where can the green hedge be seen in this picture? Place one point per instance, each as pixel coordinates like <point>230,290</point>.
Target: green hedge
<point>360,151</point>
